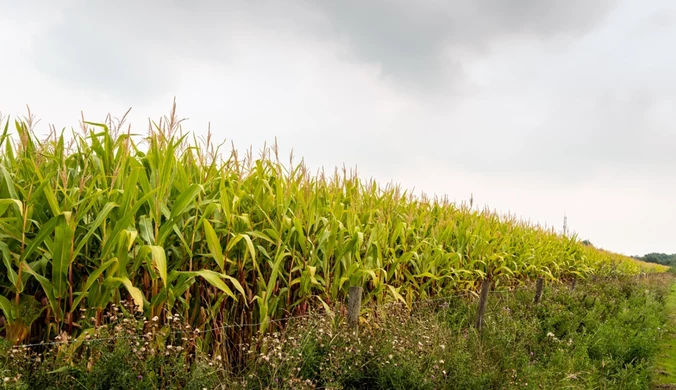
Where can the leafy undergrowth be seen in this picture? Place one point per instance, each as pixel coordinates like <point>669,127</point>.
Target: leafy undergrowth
<point>602,335</point>
<point>665,367</point>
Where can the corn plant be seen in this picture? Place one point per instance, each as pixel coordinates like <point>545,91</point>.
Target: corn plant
<point>175,225</point>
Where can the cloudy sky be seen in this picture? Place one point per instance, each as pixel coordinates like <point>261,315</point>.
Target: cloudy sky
<point>538,108</point>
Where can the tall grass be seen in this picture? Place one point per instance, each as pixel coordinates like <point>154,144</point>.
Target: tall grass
<point>171,223</point>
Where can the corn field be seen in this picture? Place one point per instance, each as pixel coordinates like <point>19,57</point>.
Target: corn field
<point>171,223</point>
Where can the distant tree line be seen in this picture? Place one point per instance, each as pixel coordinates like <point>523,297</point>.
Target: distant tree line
<point>659,258</point>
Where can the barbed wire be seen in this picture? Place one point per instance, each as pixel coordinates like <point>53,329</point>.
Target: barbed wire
<point>248,325</point>
<point>173,332</point>
<point>468,293</point>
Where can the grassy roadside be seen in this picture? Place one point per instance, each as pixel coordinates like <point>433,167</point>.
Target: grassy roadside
<point>605,334</point>
<point>665,365</point>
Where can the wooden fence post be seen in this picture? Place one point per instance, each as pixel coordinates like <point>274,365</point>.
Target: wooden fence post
<point>572,285</point>
<point>354,307</point>
<point>538,289</point>
<point>485,288</point>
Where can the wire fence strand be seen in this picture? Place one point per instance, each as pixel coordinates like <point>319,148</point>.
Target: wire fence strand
<point>465,294</point>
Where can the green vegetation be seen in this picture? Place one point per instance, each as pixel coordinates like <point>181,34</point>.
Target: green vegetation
<point>665,373</point>
<point>163,225</point>
<point>602,335</point>
<point>658,258</point>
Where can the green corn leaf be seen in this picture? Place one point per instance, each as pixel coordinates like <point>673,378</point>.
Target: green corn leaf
<point>61,256</point>
<point>214,244</point>
<point>6,259</point>
<point>6,203</point>
<point>6,307</point>
<point>9,183</point>
<point>45,230</point>
<point>158,260</point>
<point>134,292</point>
<point>100,217</point>
<point>183,202</point>
<point>47,287</point>
<point>396,295</point>
<point>93,277</point>
<point>216,280</point>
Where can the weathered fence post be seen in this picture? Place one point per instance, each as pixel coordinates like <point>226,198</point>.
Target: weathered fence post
<point>572,285</point>
<point>354,307</point>
<point>538,289</point>
<point>485,288</point>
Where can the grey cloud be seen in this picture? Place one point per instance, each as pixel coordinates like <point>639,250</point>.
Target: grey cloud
<point>660,20</point>
<point>606,129</point>
<point>99,48</point>
<point>410,40</point>
<point>127,47</point>
<point>626,132</point>
<point>134,50</point>
<point>130,50</point>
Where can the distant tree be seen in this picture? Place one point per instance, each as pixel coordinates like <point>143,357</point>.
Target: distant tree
<point>658,258</point>
<point>587,243</point>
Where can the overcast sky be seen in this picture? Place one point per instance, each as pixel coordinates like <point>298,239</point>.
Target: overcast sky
<point>535,107</point>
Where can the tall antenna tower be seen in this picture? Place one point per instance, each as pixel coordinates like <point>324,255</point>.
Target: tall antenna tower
<point>565,224</point>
